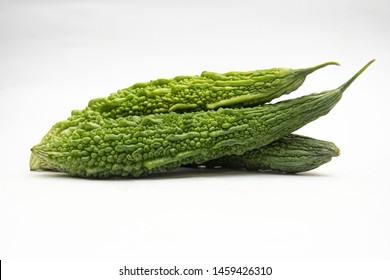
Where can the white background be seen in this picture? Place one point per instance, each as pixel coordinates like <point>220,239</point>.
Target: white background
<point>57,55</point>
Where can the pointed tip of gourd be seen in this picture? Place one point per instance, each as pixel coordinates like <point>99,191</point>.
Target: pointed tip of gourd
<point>319,66</point>
<point>337,151</point>
<point>307,71</point>
<point>344,86</point>
<point>35,162</point>
<point>34,159</point>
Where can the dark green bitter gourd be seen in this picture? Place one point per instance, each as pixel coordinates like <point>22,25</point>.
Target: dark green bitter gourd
<point>289,154</point>
<point>140,145</point>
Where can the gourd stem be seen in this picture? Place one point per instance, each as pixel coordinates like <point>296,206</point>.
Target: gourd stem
<point>344,86</point>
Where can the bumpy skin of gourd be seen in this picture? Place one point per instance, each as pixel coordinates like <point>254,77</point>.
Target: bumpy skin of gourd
<point>290,154</point>
<point>208,91</point>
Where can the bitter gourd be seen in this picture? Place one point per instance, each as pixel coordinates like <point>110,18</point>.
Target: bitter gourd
<point>289,154</point>
<point>141,145</point>
<point>99,146</point>
<point>208,91</point>
<point>191,93</point>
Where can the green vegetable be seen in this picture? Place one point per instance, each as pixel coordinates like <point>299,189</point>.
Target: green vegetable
<point>208,91</point>
<point>102,147</point>
<point>191,93</point>
<point>289,154</point>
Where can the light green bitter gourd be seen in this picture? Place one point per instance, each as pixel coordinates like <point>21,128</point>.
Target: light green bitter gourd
<point>208,91</point>
<point>289,154</point>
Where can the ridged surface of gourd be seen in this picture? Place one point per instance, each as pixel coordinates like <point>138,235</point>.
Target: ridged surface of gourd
<point>289,154</point>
